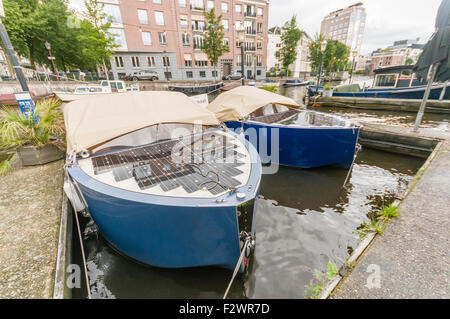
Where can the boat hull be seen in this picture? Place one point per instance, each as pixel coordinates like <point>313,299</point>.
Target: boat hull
<point>414,93</point>
<point>309,147</point>
<point>174,232</point>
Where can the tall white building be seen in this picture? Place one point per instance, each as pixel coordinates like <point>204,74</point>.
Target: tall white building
<point>346,26</point>
<point>301,67</point>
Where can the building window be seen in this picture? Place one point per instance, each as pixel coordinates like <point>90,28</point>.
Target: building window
<point>168,75</point>
<point>157,1</point>
<point>159,17</point>
<point>259,45</point>
<point>119,61</point>
<point>226,42</point>
<point>202,74</point>
<point>238,8</point>
<point>162,38</point>
<point>166,61</point>
<point>112,13</point>
<point>214,74</point>
<point>182,3</point>
<point>258,72</point>
<point>151,61</point>
<point>183,22</point>
<point>259,11</point>
<point>135,61</point>
<point>201,63</point>
<point>146,38</point>
<point>210,4</point>
<point>238,60</point>
<point>143,17</point>
<point>119,37</point>
<point>225,25</point>
<point>198,41</point>
<point>260,27</point>
<point>189,74</point>
<point>224,7</point>
<point>187,62</point>
<point>197,4</point>
<point>186,39</point>
<point>198,25</point>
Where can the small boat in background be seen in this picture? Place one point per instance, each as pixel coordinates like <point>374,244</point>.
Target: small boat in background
<point>295,82</point>
<point>166,185</point>
<point>306,139</point>
<point>196,89</point>
<point>104,87</point>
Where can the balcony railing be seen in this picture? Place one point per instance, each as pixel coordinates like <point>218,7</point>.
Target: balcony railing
<point>250,14</point>
<point>250,32</point>
<point>250,48</point>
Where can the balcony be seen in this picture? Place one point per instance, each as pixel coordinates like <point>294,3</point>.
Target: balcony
<point>250,32</point>
<point>250,15</point>
<point>251,48</point>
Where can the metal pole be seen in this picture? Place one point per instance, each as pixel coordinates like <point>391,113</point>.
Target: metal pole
<point>320,73</point>
<point>12,56</point>
<point>55,71</point>
<point>242,63</point>
<point>434,69</point>
<point>444,89</point>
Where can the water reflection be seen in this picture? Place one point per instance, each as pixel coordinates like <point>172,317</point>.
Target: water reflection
<point>305,219</point>
<point>406,119</point>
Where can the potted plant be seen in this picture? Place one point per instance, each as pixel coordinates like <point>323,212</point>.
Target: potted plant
<point>328,90</point>
<point>37,139</point>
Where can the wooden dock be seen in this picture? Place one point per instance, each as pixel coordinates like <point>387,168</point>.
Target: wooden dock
<point>402,105</point>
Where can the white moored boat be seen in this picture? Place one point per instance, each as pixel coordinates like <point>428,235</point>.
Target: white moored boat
<point>104,87</point>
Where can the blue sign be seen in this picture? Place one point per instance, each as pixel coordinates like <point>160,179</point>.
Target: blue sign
<point>25,102</point>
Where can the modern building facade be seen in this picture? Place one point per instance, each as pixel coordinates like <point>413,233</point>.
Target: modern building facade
<point>400,53</point>
<point>301,68</point>
<point>166,36</point>
<point>346,25</point>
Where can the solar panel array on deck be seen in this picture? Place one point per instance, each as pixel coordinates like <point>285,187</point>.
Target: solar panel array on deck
<point>211,168</point>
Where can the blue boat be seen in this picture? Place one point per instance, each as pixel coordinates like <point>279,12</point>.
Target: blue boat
<point>397,82</point>
<point>285,134</point>
<point>295,82</point>
<point>166,185</point>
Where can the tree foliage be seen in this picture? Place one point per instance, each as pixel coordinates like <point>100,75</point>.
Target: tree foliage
<point>335,56</point>
<point>80,45</point>
<point>290,36</point>
<point>213,44</point>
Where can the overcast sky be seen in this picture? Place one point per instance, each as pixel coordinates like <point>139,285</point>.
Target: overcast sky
<point>387,20</point>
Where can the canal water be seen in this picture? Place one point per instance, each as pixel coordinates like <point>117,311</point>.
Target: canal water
<point>438,122</point>
<point>306,218</point>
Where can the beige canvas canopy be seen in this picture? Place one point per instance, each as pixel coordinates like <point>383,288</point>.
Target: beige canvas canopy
<point>237,103</point>
<point>92,121</point>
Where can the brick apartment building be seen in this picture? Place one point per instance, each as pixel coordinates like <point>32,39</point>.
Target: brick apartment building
<point>166,36</point>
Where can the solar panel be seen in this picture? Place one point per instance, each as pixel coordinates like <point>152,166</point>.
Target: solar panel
<point>211,163</point>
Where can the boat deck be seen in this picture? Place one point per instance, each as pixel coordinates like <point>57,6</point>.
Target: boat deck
<point>204,165</point>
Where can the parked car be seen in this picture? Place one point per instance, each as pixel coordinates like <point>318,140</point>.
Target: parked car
<point>232,77</point>
<point>143,75</point>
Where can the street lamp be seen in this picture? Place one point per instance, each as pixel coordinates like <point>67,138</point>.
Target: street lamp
<point>323,46</point>
<point>354,54</point>
<point>241,37</point>
<point>51,58</point>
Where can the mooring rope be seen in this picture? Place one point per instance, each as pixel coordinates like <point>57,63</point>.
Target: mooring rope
<point>70,180</point>
<point>236,269</point>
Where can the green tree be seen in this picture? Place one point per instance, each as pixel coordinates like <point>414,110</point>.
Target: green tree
<point>213,44</point>
<point>97,43</point>
<point>335,56</point>
<point>290,36</point>
<point>409,61</point>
